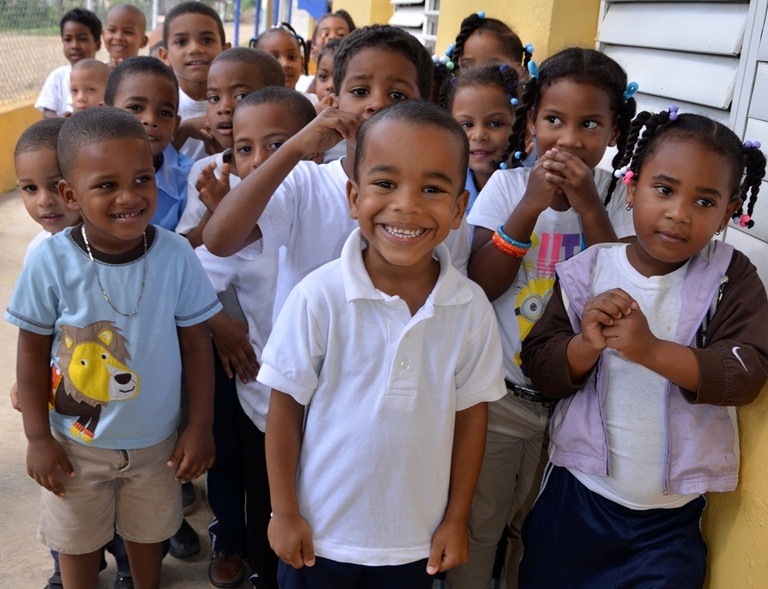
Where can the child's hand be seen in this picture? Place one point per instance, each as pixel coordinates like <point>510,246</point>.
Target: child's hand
<point>328,100</point>
<point>210,188</point>
<point>15,397</point>
<point>44,459</point>
<point>233,346</point>
<point>540,191</point>
<point>291,539</point>
<point>601,311</point>
<point>630,335</point>
<point>326,130</point>
<point>573,178</point>
<point>450,547</point>
<point>198,128</point>
<point>193,453</point>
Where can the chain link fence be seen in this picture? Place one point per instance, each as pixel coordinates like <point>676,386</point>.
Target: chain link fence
<point>30,41</point>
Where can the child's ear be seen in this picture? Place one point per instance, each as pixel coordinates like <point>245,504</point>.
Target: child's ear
<point>226,46</point>
<point>144,42</point>
<point>733,206</point>
<point>68,195</point>
<point>353,194</point>
<point>178,122</point>
<point>631,193</point>
<point>162,53</point>
<point>531,116</point>
<point>614,136</point>
<point>459,208</point>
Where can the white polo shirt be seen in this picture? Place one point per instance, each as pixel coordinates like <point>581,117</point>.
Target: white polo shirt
<point>56,94</point>
<point>382,389</point>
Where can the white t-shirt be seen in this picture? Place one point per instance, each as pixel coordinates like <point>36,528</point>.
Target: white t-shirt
<point>309,215</point>
<point>303,83</point>
<point>634,407</point>
<point>195,209</point>
<point>189,108</point>
<point>557,236</point>
<point>382,388</point>
<point>56,94</point>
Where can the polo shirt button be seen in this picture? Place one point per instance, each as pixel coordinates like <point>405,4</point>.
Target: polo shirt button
<point>405,365</point>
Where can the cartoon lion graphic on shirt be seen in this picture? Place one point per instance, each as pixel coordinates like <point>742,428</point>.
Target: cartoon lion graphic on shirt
<point>93,373</point>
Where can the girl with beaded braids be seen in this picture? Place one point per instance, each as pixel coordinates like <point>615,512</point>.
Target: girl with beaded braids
<point>488,41</point>
<point>482,101</point>
<point>526,221</point>
<point>650,346</point>
<point>288,47</point>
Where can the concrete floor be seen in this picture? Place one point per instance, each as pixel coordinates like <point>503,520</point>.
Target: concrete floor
<point>24,561</point>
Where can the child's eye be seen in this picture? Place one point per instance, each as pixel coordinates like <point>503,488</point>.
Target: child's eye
<point>244,149</point>
<point>208,40</point>
<point>240,95</point>
<point>589,124</point>
<point>433,190</point>
<point>663,190</point>
<point>107,185</point>
<point>322,77</point>
<point>705,202</point>
<point>133,107</point>
<point>553,120</point>
<point>359,92</point>
<point>466,125</point>
<point>386,184</point>
<point>143,179</point>
<point>213,99</point>
<point>180,42</point>
<point>167,114</point>
<point>397,95</point>
<point>496,124</point>
<point>275,145</point>
<point>29,188</point>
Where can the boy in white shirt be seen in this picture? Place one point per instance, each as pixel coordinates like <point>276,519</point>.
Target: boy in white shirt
<point>397,354</point>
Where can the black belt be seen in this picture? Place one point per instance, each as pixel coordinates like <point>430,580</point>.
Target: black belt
<point>527,394</point>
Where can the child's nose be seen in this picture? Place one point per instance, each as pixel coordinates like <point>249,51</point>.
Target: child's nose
<point>677,210</point>
<point>569,138</point>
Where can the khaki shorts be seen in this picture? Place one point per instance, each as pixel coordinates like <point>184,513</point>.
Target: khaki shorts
<point>131,491</point>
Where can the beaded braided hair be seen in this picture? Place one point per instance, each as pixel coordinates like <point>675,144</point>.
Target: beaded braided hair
<point>287,29</point>
<point>746,160</point>
<point>519,53</point>
<point>583,66</point>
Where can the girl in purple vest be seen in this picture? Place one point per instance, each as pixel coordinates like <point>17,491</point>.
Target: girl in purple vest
<point>649,346</point>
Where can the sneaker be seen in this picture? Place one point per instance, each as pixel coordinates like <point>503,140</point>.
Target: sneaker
<point>227,570</point>
<point>54,581</point>
<point>123,580</point>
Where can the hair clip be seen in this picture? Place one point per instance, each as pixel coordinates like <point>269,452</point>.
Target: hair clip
<point>481,14</point>
<point>450,49</point>
<point>672,112</point>
<point>503,166</point>
<point>619,172</point>
<point>529,49</point>
<point>518,155</point>
<point>513,101</point>
<point>631,90</point>
<point>533,69</point>
<point>752,145</point>
<point>628,177</point>
<point>746,221</point>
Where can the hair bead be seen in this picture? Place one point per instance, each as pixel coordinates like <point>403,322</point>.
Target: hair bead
<point>481,14</point>
<point>673,112</point>
<point>533,69</point>
<point>628,177</point>
<point>631,90</point>
<point>529,48</point>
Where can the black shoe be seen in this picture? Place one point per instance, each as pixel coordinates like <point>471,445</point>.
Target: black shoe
<point>188,498</point>
<point>123,580</point>
<point>54,581</point>
<point>184,543</point>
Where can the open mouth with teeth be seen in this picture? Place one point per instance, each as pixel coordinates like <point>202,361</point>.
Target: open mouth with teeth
<point>227,126</point>
<point>132,215</point>
<point>402,233</point>
<point>196,63</point>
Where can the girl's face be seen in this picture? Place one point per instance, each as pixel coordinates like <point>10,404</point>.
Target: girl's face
<point>483,48</point>
<point>324,76</point>
<point>331,27</point>
<point>485,115</point>
<point>574,117</point>
<point>283,47</point>
<point>680,197</point>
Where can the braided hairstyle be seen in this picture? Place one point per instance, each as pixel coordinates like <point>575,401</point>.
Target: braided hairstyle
<point>583,66</point>
<point>286,28</point>
<point>746,160</point>
<point>508,39</point>
<point>442,78</point>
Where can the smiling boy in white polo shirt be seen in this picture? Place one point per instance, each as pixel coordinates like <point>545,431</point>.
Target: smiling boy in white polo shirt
<point>393,355</point>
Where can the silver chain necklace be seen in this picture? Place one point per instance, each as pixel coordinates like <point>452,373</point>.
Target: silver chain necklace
<point>98,280</point>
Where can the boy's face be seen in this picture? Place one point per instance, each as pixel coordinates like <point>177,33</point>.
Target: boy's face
<point>228,83</point>
<point>87,87</point>
<point>112,185</point>
<point>259,131</point>
<point>124,34</point>
<point>153,100</point>
<point>407,196</point>
<point>38,177</point>
<point>78,42</point>
<point>193,43</point>
<point>324,76</point>
<point>377,78</point>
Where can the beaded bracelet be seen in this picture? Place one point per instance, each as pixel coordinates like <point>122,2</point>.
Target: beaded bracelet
<point>521,244</point>
<point>508,248</point>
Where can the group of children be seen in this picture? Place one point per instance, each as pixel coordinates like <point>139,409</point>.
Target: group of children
<point>376,420</point>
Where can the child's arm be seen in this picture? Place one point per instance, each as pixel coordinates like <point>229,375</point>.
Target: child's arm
<point>450,544</point>
<point>289,534</point>
<point>196,128</point>
<point>576,180</point>
<point>235,222</point>
<point>194,450</point>
<point>492,269</point>
<point>233,347</point>
<point>45,456</point>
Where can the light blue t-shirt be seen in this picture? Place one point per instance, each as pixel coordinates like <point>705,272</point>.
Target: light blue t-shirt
<point>120,381</point>
<point>171,179</point>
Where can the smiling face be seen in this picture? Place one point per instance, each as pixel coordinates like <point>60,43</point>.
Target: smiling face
<point>576,118</point>
<point>485,115</point>
<point>406,196</point>
<point>38,178</point>
<point>680,197</point>
<point>153,100</point>
<point>229,82</point>
<point>260,129</point>
<point>193,43</point>
<point>112,185</point>
<point>285,49</point>
<point>78,42</point>
<point>87,87</point>
<point>376,78</point>
<point>124,33</point>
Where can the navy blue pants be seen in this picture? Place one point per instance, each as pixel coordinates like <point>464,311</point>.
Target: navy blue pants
<point>329,574</point>
<point>576,539</point>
